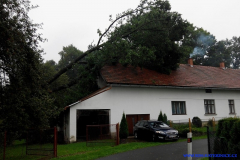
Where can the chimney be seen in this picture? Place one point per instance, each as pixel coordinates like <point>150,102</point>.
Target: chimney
<point>190,62</point>
<point>222,65</point>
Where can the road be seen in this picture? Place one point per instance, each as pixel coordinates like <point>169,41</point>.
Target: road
<point>172,151</point>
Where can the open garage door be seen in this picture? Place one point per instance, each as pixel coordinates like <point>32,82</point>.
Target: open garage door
<point>132,119</point>
<point>90,117</point>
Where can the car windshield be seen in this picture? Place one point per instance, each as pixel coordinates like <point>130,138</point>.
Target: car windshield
<point>158,124</point>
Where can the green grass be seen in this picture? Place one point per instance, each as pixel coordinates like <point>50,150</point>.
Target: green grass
<point>81,151</point>
<point>17,151</point>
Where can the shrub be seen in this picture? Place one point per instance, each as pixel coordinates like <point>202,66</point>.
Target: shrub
<point>160,116</point>
<point>234,145</point>
<point>165,118</point>
<point>210,123</point>
<point>224,127</point>
<point>123,133</point>
<point>235,132</point>
<point>183,132</point>
<point>229,130</point>
<point>197,122</point>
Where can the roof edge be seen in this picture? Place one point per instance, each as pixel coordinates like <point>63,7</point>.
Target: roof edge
<point>177,87</point>
<point>89,96</point>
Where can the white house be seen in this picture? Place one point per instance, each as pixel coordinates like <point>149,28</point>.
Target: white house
<point>191,90</point>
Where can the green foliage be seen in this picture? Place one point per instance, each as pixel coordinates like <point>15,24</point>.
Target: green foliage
<point>210,123</point>
<point>196,121</point>
<point>219,52</point>
<point>81,77</point>
<point>228,130</point>
<point>165,118</point>
<point>153,45</point>
<point>234,46</point>
<point>160,116</point>
<point>224,127</point>
<point>123,133</point>
<point>195,131</point>
<point>25,102</point>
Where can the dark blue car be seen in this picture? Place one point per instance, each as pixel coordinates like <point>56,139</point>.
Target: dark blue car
<point>154,130</point>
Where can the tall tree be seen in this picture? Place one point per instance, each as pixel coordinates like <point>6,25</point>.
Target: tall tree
<point>219,52</point>
<point>234,46</point>
<point>74,88</point>
<point>24,102</point>
<point>196,44</point>
<point>130,33</point>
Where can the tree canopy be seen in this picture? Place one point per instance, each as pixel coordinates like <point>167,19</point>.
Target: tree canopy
<point>149,33</point>
<point>24,102</point>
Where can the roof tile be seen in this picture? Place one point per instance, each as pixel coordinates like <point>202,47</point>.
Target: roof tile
<point>184,76</point>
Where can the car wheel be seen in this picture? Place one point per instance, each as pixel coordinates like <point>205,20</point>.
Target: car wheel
<point>135,135</point>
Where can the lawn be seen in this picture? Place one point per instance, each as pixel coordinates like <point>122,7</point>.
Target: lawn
<point>81,151</point>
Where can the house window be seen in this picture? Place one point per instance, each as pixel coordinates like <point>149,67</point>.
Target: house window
<point>178,107</point>
<point>209,106</point>
<point>231,106</point>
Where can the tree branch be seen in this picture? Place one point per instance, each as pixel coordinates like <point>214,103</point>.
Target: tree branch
<point>69,66</point>
<point>98,46</point>
<point>73,82</point>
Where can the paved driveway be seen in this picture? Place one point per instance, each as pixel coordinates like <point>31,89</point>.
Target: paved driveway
<point>172,151</point>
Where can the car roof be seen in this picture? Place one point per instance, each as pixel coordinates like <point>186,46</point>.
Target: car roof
<point>149,121</point>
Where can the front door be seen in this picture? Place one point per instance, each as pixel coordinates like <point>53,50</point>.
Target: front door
<point>132,119</point>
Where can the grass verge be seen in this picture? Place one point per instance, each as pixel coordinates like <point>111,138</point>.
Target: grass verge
<point>81,151</point>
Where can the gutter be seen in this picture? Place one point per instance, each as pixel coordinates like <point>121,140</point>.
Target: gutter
<point>173,87</point>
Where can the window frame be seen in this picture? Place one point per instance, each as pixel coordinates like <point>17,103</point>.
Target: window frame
<point>209,106</point>
<point>231,106</point>
<point>177,110</point>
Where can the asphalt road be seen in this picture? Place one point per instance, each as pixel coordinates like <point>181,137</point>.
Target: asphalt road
<point>172,151</point>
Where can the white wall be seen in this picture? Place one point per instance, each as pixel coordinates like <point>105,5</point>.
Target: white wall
<point>152,100</point>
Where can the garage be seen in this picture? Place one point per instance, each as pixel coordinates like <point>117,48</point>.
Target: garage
<point>90,117</point>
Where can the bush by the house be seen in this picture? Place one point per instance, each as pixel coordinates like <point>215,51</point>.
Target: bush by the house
<point>197,122</point>
<point>123,133</point>
<point>228,136</point>
<point>195,131</point>
<point>160,116</point>
<point>165,118</point>
<point>210,123</point>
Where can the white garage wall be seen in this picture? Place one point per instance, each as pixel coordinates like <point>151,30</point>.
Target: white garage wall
<point>151,100</point>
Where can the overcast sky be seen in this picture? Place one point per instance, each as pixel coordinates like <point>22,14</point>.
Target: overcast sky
<point>76,22</point>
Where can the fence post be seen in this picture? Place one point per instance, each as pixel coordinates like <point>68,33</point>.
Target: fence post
<point>189,140</point>
<point>117,134</point>
<point>213,121</point>
<point>5,144</point>
<point>101,133</point>
<point>27,143</point>
<point>55,141</point>
<point>208,138</point>
<point>86,134</point>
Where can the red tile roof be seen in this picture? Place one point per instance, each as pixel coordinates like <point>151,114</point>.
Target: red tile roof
<point>184,76</point>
